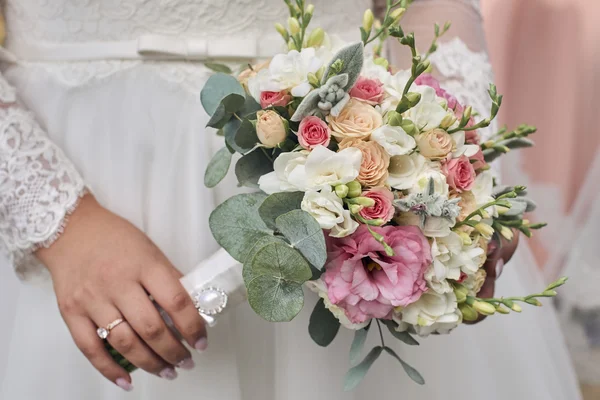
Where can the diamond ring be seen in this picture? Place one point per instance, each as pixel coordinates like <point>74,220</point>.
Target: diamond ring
<point>104,332</point>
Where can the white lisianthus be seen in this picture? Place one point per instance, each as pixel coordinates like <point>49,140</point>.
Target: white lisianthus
<point>287,72</point>
<point>431,308</point>
<point>288,168</point>
<point>405,170</point>
<point>325,206</point>
<point>319,287</point>
<point>444,264</point>
<point>431,171</point>
<point>394,140</point>
<point>328,168</point>
<point>428,113</point>
<point>463,149</point>
<point>347,227</point>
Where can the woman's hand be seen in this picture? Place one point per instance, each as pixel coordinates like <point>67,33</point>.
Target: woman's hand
<point>103,269</point>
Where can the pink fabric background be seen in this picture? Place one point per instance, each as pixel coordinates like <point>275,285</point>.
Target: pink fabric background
<point>546,57</point>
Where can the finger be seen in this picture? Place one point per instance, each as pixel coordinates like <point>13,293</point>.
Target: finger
<point>84,334</point>
<point>126,341</point>
<point>145,319</point>
<point>170,294</point>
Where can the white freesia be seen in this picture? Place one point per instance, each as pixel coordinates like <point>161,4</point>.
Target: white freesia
<point>431,171</point>
<point>331,45</point>
<point>347,227</point>
<point>444,264</point>
<point>428,113</point>
<point>319,287</point>
<point>394,140</point>
<point>325,167</point>
<point>288,167</point>
<point>482,190</point>
<point>443,328</point>
<point>431,308</point>
<point>437,227</point>
<point>287,72</point>
<point>405,170</point>
<point>394,87</point>
<point>463,149</point>
<point>375,71</point>
<point>325,206</point>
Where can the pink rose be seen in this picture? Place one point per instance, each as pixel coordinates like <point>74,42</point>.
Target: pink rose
<point>312,132</point>
<point>460,174</point>
<point>368,90</point>
<point>383,207</point>
<point>277,99</point>
<point>365,282</point>
<point>477,160</point>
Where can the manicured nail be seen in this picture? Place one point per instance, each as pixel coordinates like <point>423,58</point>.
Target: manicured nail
<point>168,374</point>
<point>201,344</point>
<point>187,364</point>
<point>499,267</point>
<point>124,384</point>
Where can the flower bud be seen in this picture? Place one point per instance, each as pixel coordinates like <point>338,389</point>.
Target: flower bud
<point>413,98</point>
<point>467,113</point>
<point>394,118</point>
<point>461,293</point>
<point>354,189</point>
<point>354,208</point>
<point>397,14</point>
<point>363,201</point>
<point>341,191</point>
<point>485,230</point>
<point>466,238</point>
<point>382,61</point>
<point>368,19</point>
<point>291,45</point>
<point>409,127</point>
<point>310,9</point>
<point>320,73</point>
<point>516,308</point>
<point>271,129</point>
<point>533,302</point>
<point>507,233</point>
<point>293,25</point>
<point>316,37</point>
<point>282,31</point>
<point>312,79</point>
<point>448,121</point>
<point>376,222</point>
<point>468,313</point>
<point>502,310</point>
<point>484,308</point>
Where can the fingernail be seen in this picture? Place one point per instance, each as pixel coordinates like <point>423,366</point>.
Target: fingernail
<point>499,267</point>
<point>168,374</point>
<point>201,344</point>
<point>124,384</point>
<point>187,364</point>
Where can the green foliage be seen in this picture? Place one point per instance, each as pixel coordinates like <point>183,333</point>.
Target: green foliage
<point>356,374</point>
<point>252,166</point>
<point>217,168</point>
<point>217,67</point>
<point>278,204</point>
<point>217,88</point>
<point>323,325</point>
<point>410,371</point>
<point>360,337</point>
<point>304,234</point>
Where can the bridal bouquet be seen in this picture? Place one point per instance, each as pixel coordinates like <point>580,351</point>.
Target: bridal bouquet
<point>375,188</point>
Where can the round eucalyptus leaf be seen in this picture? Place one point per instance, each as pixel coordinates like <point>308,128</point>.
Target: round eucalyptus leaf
<point>217,168</point>
<point>275,288</point>
<point>278,204</point>
<point>217,87</point>
<point>260,243</point>
<point>252,166</point>
<point>323,325</point>
<point>304,234</point>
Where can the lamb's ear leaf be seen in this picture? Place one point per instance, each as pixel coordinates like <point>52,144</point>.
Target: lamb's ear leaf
<point>307,107</point>
<point>352,57</point>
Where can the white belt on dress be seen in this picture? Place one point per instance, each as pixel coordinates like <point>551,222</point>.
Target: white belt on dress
<point>146,47</point>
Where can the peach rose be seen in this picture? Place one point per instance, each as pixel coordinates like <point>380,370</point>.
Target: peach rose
<point>277,99</point>
<point>271,129</point>
<point>375,162</point>
<point>436,143</point>
<point>356,120</point>
<point>251,72</point>
<point>467,204</point>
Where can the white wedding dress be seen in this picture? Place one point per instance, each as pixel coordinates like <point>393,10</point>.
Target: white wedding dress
<point>115,85</point>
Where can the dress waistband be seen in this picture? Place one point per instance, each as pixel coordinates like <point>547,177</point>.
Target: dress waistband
<point>145,47</point>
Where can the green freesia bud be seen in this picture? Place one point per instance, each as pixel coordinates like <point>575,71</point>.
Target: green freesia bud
<point>291,45</point>
<point>316,37</point>
<point>282,31</point>
<point>368,19</point>
<point>507,233</point>
<point>363,201</point>
<point>486,230</point>
<point>293,25</point>
<point>394,118</point>
<point>484,308</point>
<point>533,302</point>
<point>448,121</point>
<point>341,191</point>
<point>550,293</point>
<point>310,9</point>
<point>516,308</point>
<point>313,80</point>
<point>382,61</point>
<point>397,14</point>
<point>376,222</point>
<point>354,189</point>
<point>502,310</point>
<point>355,208</point>
<point>409,127</point>
<point>466,239</point>
<point>408,101</point>
<point>461,293</point>
<point>468,312</point>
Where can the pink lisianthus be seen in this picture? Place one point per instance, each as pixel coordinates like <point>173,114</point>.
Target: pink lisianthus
<point>365,282</point>
<point>460,174</point>
<point>312,132</point>
<point>277,99</point>
<point>477,160</point>
<point>383,208</point>
<point>368,90</point>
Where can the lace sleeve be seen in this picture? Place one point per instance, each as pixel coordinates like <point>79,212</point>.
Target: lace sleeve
<point>39,187</point>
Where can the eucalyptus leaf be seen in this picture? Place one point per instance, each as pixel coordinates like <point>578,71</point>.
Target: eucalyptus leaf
<point>250,108</point>
<point>218,87</point>
<point>260,243</point>
<point>357,373</point>
<point>252,166</point>
<point>360,337</point>
<point>219,118</point>
<point>217,168</point>
<point>404,337</point>
<point>352,57</point>
<point>236,225</point>
<point>229,131</point>
<point>308,106</point>
<point>323,325</point>
<point>275,288</point>
<point>218,67</point>
<point>410,371</point>
<point>278,204</point>
<point>304,234</point>
<point>245,136</point>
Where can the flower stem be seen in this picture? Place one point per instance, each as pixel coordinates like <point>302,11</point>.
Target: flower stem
<point>380,333</point>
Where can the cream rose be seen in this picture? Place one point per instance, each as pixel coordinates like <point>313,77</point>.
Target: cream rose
<point>357,120</point>
<point>375,162</point>
<point>436,143</point>
<point>271,129</point>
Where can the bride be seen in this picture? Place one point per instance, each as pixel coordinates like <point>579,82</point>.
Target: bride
<point>102,151</point>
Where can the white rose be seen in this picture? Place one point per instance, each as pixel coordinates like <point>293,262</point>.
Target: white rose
<point>319,287</point>
<point>431,171</point>
<point>394,140</point>
<point>288,167</point>
<point>428,113</point>
<point>404,170</point>
<point>325,206</point>
<point>463,149</point>
<point>347,227</point>
<point>431,308</point>
<point>325,167</point>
